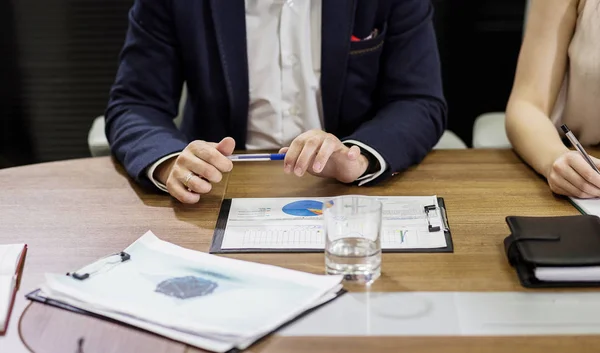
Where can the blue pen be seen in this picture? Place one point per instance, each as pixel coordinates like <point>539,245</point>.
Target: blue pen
<point>257,157</point>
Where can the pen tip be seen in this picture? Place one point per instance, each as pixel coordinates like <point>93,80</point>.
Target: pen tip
<point>564,128</point>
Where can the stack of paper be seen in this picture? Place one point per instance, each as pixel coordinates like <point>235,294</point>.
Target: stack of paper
<point>204,300</point>
<point>568,274</point>
<point>587,206</point>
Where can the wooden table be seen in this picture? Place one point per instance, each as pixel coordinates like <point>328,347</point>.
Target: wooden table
<point>73,212</point>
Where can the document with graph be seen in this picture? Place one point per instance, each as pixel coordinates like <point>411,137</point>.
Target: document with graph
<point>409,224</point>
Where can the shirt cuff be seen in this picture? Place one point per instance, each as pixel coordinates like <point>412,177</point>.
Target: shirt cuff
<point>369,177</point>
<point>153,167</point>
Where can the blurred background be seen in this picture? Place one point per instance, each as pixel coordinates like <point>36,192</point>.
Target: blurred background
<point>58,59</point>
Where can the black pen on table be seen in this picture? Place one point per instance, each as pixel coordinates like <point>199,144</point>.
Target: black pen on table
<point>578,146</point>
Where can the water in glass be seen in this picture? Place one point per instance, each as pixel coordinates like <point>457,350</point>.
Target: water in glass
<point>353,244</point>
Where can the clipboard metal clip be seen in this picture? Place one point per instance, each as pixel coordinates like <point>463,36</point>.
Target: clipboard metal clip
<point>442,212</point>
<point>104,264</point>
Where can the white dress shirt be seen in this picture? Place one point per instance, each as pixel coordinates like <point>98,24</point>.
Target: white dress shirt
<point>284,67</point>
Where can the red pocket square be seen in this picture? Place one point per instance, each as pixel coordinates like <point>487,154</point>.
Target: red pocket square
<point>373,34</point>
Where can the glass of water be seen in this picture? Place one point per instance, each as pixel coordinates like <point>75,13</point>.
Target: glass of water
<point>352,238</point>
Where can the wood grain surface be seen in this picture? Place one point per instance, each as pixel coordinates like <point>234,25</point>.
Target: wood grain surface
<point>71,213</point>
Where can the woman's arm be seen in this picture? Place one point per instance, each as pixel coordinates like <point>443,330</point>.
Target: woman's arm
<point>538,80</point>
<point>539,76</point>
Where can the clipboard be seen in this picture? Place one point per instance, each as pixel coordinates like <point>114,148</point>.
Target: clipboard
<point>35,296</point>
<point>219,235</point>
<point>120,257</point>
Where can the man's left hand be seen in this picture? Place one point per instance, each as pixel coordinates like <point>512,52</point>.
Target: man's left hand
<point>323,154</point>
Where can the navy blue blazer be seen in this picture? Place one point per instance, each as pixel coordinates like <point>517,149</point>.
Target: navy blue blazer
<point>385,92</point>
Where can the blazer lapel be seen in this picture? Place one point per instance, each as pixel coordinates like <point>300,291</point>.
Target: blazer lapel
<point>229,18</point>
<point>337,20</point>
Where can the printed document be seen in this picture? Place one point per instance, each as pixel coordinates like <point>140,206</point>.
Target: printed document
<point>204,300</point>
<point>297,223</point>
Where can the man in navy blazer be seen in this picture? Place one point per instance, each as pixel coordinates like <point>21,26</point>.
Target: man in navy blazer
<point>358,99</point>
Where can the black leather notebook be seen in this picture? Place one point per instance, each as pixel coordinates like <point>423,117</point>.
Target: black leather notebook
<point>545,251</point>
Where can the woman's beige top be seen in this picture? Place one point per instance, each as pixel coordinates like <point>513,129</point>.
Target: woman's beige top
<point>578,103</point>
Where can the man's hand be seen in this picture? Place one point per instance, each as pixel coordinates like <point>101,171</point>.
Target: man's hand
<point>571,175</point>
<point>199,165</point>
<point>323,154</point>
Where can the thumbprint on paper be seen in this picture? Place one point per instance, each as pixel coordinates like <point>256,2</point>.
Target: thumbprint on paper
<point>186,287</point>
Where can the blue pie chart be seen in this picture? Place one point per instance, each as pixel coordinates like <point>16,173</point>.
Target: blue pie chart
<point>304,208</point>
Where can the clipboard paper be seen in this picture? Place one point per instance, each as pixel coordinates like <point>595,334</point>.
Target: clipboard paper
<point>294,225</point>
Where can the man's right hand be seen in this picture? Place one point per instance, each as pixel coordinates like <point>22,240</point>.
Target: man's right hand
<point>571,175</point>
<point>203,161</point>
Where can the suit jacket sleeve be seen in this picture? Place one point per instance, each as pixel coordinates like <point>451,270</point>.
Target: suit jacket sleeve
<point>412,110</point>
<point>144,98</point>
